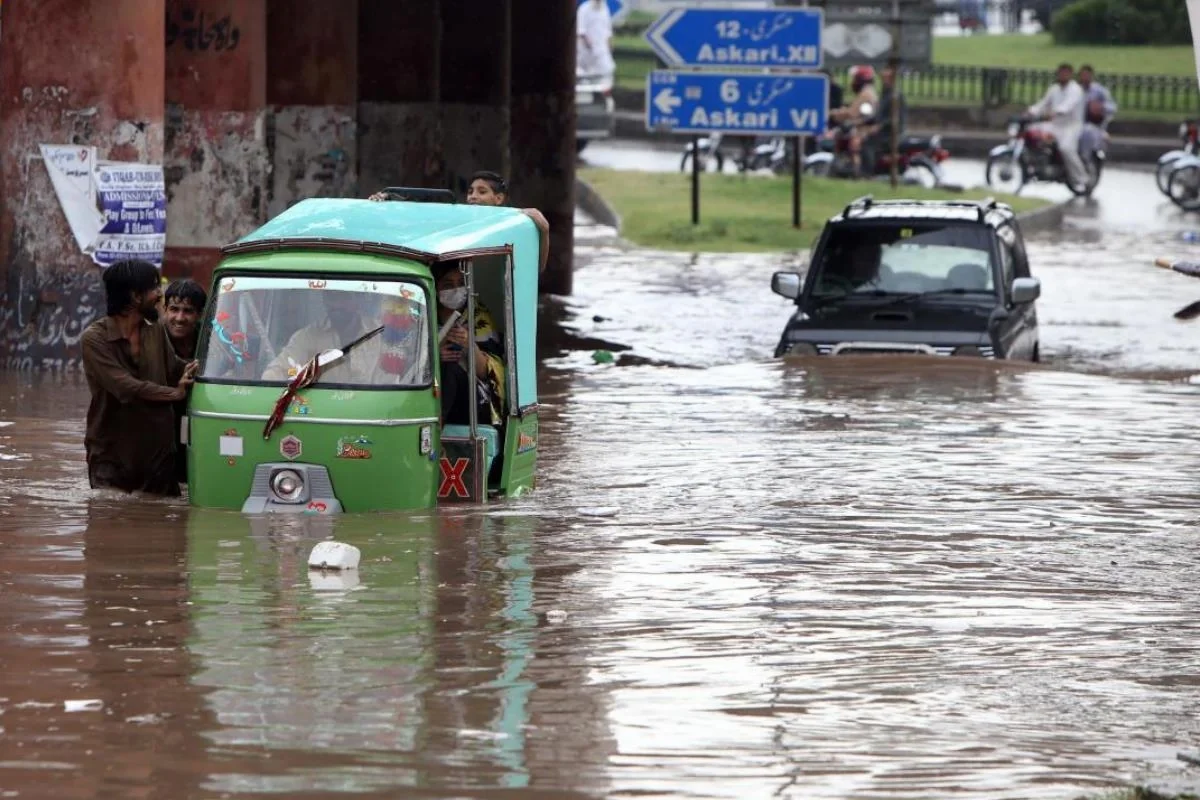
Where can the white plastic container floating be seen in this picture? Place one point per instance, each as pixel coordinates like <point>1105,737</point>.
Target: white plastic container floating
<point>334,556</point>
<point>71,706</point>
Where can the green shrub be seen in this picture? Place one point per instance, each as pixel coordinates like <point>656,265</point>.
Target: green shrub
<point>1129,22</point>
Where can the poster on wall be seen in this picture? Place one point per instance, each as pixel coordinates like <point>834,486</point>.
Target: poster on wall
<point>70,167</point>
<point>133,200</point>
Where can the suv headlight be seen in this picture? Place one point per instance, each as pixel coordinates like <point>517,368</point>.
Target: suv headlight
<point>287,485</point>
<point>802,349</point>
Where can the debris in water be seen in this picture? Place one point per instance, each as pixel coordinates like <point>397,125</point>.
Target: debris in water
<point>334,555</point>
<point>602,357</point>
<point>556,615</point>
<point>82,705</point>
<point>599,511</point>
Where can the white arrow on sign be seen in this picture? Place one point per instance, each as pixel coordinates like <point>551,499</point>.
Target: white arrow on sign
<point>655,34</point>
<point>666,101</point>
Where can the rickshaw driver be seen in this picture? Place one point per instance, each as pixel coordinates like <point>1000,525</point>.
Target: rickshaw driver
<point>348,316</point>
<point>489,354</point>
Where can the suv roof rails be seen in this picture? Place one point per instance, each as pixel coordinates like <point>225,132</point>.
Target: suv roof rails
<point>864,202</point>
<point>416,194</point>
<point>982,207</point>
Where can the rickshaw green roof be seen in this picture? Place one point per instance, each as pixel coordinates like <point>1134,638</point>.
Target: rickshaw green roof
<point>434,230</point>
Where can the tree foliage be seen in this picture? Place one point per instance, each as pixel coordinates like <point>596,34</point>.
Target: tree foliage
<point>1122,22</point>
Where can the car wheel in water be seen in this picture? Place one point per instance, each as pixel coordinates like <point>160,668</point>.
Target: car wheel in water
<point>1005,174</point>
<point>1162,176</point>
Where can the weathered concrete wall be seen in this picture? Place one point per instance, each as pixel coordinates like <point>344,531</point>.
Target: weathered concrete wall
<point>86,72</point>
<point>543,125</point>
<point>215,152</point>
<point>312,89</point>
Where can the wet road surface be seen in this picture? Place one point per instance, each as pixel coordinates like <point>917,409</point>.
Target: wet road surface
<point>738,578</point>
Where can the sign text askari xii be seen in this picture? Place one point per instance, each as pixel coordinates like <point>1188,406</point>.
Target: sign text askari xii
<point>733,37</point>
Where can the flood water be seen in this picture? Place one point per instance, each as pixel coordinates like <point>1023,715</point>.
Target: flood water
<point>738,578</point>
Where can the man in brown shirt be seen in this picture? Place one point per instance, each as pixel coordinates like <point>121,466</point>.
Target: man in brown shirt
<point>134,376</point>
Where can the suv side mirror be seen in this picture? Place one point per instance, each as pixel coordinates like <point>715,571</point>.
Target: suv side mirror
<point>786,284</point>
<point>1026,290</point>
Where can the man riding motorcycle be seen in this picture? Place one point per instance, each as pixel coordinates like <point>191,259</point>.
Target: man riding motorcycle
<point>1062,109</point>
<point>879,135</point>
<point>1099,109</point>
<point>862,106</point>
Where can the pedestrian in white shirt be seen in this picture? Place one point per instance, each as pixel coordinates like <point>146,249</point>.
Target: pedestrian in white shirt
<point>1062,109</point>
<point>594,27</point>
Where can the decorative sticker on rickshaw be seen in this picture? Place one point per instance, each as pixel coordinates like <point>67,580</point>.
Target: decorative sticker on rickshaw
<point>317,284</point>
<point>290,447</point>
<point>356,447</point>
<point>452,478</point>
<point>227,286</point>
<point>525,442</point>
<point>426,439</point>
<point>316,507</point>
<point>299,406</point>
<point>231,446</point>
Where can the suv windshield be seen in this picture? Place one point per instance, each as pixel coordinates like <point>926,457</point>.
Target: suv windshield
<point>872,260</point>
<point>264,329</point>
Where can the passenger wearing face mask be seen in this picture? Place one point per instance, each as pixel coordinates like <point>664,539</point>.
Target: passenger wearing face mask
<point>489,354</point>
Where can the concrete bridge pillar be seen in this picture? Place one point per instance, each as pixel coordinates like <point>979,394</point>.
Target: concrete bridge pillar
<point>312,91</point>
<point>433,90</point>
<point>215,153</point>
<point>543,125</point>
<point>84,72</point>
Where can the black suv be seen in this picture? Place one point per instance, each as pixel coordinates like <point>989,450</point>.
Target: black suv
<point>909,276</point>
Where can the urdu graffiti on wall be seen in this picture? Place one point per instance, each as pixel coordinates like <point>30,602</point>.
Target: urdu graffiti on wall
<point>197,32</point>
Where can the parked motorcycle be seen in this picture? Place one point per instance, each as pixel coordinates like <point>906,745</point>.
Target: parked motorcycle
<point>1031,154</point>
<point>1189,134</point>
<point>1183,182</point>
<point>920,158</point>
<point>750,155</point>
<point>711,158</point>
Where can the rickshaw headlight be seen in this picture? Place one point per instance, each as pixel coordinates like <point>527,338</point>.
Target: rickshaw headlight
<point>1013,129</point>
<point>288,486</point>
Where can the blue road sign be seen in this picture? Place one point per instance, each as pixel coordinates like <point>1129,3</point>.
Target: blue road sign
<point>615,7</point>
<point>763,105</point>
<point>729,38</point>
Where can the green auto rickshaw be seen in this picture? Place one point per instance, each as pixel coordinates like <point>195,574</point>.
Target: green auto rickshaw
<point>320,354</point>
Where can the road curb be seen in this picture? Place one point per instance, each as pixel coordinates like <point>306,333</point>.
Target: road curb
<point>1043,219</point>
<point>588,200</point>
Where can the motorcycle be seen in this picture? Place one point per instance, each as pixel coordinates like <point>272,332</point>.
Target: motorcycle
<point>919,163</point>
<point>1032,154</point>
<point>1183,182</point>
<point>1189,134</point>
<point>710,156</point>
<point>751,156</point>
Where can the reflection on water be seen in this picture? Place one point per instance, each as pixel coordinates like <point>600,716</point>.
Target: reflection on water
<point>847,578</point>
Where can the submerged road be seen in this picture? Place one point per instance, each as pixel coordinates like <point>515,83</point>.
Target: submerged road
<point>738,577</point>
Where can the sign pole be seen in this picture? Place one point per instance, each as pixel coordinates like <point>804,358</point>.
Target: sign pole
<point>797,173</point>
<point>695,180</point>
<point>894,122</point>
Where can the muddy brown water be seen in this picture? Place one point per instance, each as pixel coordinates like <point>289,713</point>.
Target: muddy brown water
<point>853,578</point>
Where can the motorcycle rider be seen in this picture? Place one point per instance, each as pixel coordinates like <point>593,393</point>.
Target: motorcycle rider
<point>879,135</point>
<point>1061,108</point>
<point>1099,110</point>
<point>862,84</point>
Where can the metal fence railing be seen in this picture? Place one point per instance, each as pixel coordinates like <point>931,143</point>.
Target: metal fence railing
<point>997,87</point>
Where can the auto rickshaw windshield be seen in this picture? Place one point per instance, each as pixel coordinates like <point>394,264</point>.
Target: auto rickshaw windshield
<point>264,329</point>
